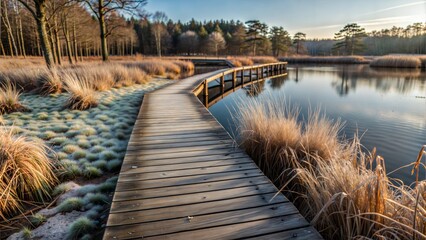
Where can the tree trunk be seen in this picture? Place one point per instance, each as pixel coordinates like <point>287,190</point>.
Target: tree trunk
<point>12,43</point>
<point>74,42</point>
<point>41,28</point>
<point>22,37</point>
<point>102,26</point>
<point>52,43</point>
<point>57,43</point>
<point>67,39</point>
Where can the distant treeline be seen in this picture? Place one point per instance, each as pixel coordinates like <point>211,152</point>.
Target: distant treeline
<point>73,30</point>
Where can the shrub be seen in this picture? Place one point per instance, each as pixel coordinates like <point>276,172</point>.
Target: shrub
<point>80,227</point>
<point>82,94</point>
<point>92,172</point>
<point>71,204</point>
<point>37,219</point>
<point>26,172</point>
<point>26,233</point>
<point>9,99</point>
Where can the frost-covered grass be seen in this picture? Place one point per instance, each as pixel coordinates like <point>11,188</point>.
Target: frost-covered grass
<point>88,142</point>
<point>89,145</point>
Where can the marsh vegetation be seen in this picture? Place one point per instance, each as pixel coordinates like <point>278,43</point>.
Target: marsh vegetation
<point>64,133</point>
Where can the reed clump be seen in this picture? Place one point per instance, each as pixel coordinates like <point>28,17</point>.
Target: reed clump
<point>250,61</point>
<point>399,61</point>
<point>26,172</point>
<point>49,82</point>
<point>343,190</point>
<point>240,61</point>
<point>264,59</point>
<point>9,99</point>
<point>82,93</point>
<point>326,59</point>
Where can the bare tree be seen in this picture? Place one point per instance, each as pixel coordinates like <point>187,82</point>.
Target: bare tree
<point>37,8</point>
<point>188,42</point>
<point>216,42</point>
<point>158,29</point>
<point>102,9</point>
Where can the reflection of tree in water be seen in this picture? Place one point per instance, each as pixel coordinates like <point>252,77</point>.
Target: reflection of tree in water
<point>255,89</point>
<point>296,70</point>
<point>344,86</point>
<point>382,79</point>
<point>278,82</point>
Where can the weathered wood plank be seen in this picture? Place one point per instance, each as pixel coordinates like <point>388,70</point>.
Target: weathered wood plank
<point>141,161</point>
<point>137,174</point>
<point>187,180</point>
<point>151,215</point>
<point>241,230</point>
<point>204,221</point>
<point>179,200</point>
<point>193,188</point>
<point>192,165</point>
<point>299,233</point>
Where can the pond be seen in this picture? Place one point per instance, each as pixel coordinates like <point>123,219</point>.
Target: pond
<point>386,106</point>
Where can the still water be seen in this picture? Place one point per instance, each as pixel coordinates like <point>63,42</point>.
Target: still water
<point>386,106</point>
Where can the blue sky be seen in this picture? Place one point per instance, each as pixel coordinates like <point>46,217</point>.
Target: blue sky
<point>317,18</point>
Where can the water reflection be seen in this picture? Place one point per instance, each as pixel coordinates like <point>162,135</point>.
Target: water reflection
<point>278,82</point>
<point>255,89</point>
<point>386,106</point>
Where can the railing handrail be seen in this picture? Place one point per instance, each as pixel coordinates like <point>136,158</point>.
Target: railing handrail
<point>199,88</point>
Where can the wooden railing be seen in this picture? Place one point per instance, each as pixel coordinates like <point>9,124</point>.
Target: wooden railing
<point>238,77</point>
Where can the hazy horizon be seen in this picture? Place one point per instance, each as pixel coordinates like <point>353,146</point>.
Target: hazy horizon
<point>316,18</point>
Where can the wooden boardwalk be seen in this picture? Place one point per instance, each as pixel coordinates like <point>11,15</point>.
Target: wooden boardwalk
<point>184,178</point>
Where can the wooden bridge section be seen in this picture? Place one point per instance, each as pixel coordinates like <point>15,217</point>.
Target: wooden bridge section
<point>184,178</point>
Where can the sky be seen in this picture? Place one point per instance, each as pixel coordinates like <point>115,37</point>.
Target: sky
<point>316,18</point>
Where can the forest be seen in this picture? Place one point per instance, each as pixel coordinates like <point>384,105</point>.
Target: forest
<point>76,29</point>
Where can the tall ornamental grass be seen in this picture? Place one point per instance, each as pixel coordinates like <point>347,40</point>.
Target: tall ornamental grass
<point>26,172</point>
<point>343,190</point>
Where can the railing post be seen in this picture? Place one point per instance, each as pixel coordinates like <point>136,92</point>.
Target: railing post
<point>222,84</point>
<point>257,73</point>
<point>234,79</point>
<point>206,93</point>
<point>250,79</point>
<point>242,77</point>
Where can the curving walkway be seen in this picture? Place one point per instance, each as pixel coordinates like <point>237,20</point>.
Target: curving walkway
<point>183,178</point>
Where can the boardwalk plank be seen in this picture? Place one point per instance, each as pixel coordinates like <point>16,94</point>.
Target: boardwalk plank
<point>194,188</point>
<point>183,177</point>
<point>142,204</point>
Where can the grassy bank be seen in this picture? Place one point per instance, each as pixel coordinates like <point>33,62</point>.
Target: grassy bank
<point>343,190</point>
<point>73,132</point>
<point>400,61</point>
<point>240,61</point>
<point>327,60</point>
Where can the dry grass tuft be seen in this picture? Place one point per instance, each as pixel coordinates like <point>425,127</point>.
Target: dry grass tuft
<point>50,82</point>
<point>26,173</point>
<point>240,61</point>
<point>185,66</point>
<point>398,61</point>
<point>250,61</point>
<point>333,182</point>
<point>82,93</point>
<point>264,59</point>
<point>137,75</point>
<point>326,59</point>
<point>9,99</point>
